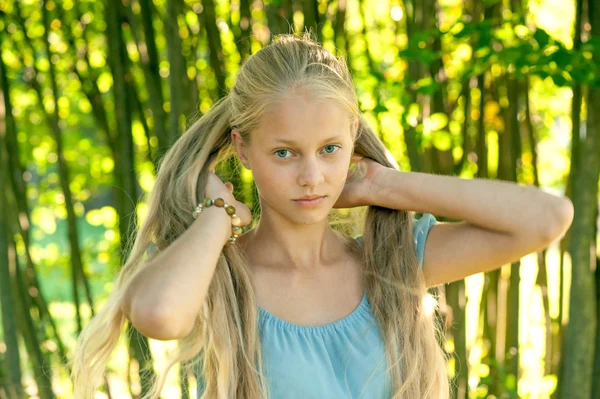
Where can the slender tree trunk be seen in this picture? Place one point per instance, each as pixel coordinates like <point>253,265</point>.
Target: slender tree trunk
<point>444,163</point>
<point>374,70</point>
<point>139,109</point>
<point>311,17</point>
<point>457,300</point>
<point>580,333</point>
<point>576,103</point>
<point>280,17</point>
<point>437,105</point>
<point>179,83</point>
<point>88,80</point>
<point>414,23</point>
<point>9,323</point>
<point>150,65</point>
<point>241,31</point>
<point>512,150</point>
<point>542,278</point>
<point>490,300</point>
<point>22,219</point>
<point>482,151</point>
<point>596,372</point>
<point>208,19</point>
<point>117,58</point>
<point>73,233</point>
<point>467,142</point>
<point>498,287</point>
<point>40,364</point>
<point>339,33</point>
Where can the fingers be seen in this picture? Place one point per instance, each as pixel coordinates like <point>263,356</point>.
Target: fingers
<point>243,213</point>
<point>242,210</point>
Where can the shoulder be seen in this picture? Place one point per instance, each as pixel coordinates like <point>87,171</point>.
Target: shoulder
<point>421,227</point>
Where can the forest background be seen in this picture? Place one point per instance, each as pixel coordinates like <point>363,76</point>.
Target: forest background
<point>93,93</point>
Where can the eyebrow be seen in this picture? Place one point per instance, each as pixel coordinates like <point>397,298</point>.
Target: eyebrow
<point>292,142</point>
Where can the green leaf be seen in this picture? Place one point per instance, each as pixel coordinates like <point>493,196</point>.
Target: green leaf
<point>442,140</point>
<point>437,121</point>
<point>542,37</point>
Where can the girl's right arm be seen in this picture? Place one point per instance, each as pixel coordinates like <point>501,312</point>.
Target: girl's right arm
<point>164,298</point>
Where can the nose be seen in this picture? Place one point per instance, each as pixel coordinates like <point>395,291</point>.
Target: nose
<point>310,173</point>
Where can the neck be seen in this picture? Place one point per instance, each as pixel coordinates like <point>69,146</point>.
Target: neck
<point>297,248</point>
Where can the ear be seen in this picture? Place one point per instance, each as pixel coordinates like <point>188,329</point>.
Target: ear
<point>354,162</point>
<point>240,148</point>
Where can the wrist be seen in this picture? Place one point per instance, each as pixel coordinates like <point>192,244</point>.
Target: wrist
<point>219,221</point>
<point>229,210</point>
<point>378,187</point>
<point>385,189</point>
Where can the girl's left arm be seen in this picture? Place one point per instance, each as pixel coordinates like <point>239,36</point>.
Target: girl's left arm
<point>500,221</point>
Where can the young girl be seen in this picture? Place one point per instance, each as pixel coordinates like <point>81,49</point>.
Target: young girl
<point>293,308</point>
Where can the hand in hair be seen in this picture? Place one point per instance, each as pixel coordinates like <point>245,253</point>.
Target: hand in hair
<point>215,188</point>
<point>361,175</point>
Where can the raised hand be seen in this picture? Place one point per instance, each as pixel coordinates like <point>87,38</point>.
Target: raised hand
<point>215,188</point>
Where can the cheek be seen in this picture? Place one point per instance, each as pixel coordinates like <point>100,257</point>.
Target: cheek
<point>269,178</point>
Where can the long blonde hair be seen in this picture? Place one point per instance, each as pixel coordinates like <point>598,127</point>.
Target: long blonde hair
<point>224,344</point>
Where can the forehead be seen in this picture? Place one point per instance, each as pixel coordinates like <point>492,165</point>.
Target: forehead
<point>303,120</point>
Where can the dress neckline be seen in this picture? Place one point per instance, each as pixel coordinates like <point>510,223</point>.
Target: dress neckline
<point>345,321</point>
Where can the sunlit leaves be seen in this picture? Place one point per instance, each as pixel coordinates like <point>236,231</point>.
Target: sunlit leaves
<point>44,219</point>
<point>105,82</point>
<point>435,122</point>
<point>105,216</point>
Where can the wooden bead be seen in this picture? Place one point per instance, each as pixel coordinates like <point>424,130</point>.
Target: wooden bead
<point>230,210</point>
<point>207,202</point>
<point>236,221</point>
<point>219,202</point>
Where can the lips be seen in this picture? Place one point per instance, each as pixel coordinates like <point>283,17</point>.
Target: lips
<point>310,201</point>
<point>309,197</point>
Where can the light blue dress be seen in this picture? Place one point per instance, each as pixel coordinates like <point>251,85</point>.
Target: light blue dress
<point>339,360</point>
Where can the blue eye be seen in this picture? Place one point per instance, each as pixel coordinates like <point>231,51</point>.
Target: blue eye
<point>279,152</point>
<point>331,148</point>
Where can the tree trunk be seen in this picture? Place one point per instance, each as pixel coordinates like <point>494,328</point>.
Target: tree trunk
<point>339,32</point>
<point>179,83</point>
<point>117,59</point>
<point>596,372</point>
<point>512,149</point>
<point>40,364</point>
<point>576,103</point>
<point>150,66</point>
<point>89,82</point>
<point>312,18</point>
<point>21,218</point>
<point>456,299</point>
<point>241,31</point>
<point>414,23</point>
<point>580,333</point>
<point>73,231</point>
<point>542,277</point>
<point>208,19</point>
<point>9,324</point>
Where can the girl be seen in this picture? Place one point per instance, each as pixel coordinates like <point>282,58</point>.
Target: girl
<point>293,308</point>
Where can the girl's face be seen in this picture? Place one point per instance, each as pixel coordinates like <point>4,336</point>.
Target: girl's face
<point>303,148</point>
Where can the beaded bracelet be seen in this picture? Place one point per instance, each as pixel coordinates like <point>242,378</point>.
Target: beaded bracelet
<point>220,203</point>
